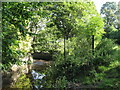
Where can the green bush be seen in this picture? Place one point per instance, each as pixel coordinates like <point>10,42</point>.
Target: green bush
<point>61,82</point>
<point>22,82</point>
<point>85,68</point>
<point>74,67</point>
<point>106,63</point>
<point>104,52</point>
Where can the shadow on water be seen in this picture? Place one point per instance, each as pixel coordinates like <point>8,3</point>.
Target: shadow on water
<point>37,73</point>
<point>33,79</point>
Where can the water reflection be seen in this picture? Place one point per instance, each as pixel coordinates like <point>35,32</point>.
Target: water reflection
<point>31,76</point>
<point>37,76</point>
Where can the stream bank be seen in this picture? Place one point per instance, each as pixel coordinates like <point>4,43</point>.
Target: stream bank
<point>28,74</point>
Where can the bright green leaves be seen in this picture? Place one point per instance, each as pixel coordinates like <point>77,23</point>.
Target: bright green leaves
<point>77,17</point>
<point>22,82</point>
<point>15,17</point>
<point>95,26</point>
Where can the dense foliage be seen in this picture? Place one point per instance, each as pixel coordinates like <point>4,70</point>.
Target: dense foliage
<point>14,34</point>
<point>110,13</point>
<point>22,82</point>
<point>68,31</point>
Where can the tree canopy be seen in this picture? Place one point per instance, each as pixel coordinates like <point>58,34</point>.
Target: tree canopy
<point>68,31</point>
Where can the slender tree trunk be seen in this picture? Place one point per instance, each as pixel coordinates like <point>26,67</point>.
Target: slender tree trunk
<point>64,49</point>
<point>93,44</point>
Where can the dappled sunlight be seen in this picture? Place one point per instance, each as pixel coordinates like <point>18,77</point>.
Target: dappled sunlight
<point>60,45</point>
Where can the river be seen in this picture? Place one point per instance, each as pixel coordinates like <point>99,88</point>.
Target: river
<point>33,79</point>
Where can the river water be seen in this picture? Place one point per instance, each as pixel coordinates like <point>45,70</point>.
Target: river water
<point>33,79</point>
<point>37,73</point>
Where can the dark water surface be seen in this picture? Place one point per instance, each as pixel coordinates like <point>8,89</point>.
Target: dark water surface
<point>33,79</point>
<point>38,74</point>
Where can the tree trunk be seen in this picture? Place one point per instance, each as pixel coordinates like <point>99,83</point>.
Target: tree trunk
<point>64,49</point>
<point>93,44</point>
